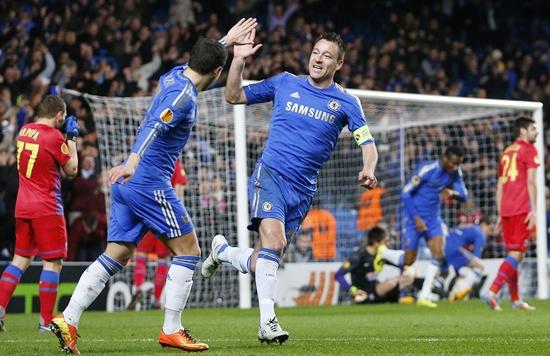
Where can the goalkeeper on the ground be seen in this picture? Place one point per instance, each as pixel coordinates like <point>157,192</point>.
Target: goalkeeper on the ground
<point>364,266</point>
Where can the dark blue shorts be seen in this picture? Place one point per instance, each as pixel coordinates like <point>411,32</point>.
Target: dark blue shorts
<point>134,211</point>
<point>272,196</point>
<point>455,257</point>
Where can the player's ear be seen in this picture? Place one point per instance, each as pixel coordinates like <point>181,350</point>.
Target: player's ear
<point>339,64</point>
<point>217,71</point>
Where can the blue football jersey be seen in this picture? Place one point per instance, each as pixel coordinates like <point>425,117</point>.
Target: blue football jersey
<point>166,128</point>
<point>421,193</point>
<point>464,236</point>
<point>305,124</point>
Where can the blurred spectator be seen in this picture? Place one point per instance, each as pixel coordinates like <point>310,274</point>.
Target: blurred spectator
<point>9,182</point>
<point>320,224</point>
<point>87,236</point>
<point>370,210</point>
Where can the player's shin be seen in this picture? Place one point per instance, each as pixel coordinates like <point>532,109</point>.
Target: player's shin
<point>266,282</point>
<point>90,285</point>
<point>177,289</point>
<point>49,283</point>
<point>9,280</point>
<point>395,257</point>
<point>431,272</point>
<point>471,276</point>
<point>238,257</point>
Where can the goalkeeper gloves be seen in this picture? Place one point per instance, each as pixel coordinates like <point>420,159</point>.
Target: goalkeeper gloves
<point>71,128</point>
<point>358,295</point>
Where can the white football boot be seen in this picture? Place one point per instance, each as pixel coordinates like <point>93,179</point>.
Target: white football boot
<point>272,332</point>
<point>211,263</point>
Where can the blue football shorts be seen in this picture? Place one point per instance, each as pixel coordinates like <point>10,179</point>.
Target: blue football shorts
<point>134,211</point>
<point>411,237</point>
<point>272,196</point>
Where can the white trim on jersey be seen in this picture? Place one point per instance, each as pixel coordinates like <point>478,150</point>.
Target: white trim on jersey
<point>148,140</point>
<point>168,213</point>
<point>185,90</point>
<point>256,200</point>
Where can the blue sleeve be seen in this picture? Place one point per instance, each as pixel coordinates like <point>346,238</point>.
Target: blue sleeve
<point>263,91</point>
<point>146,134</point>
<point>460,187</point>
<point>479,241</point>
<point>408,191</point>
<point>357,123</point>
<point>167,110</point>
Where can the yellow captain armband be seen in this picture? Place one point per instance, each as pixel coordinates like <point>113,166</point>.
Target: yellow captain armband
<point>362,135</point>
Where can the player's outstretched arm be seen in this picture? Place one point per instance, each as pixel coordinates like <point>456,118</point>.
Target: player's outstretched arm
<point>126,170</point>
<point>237,33</point>
<point>234,93</point>
<point>366,176</point>
<point>71,130</point>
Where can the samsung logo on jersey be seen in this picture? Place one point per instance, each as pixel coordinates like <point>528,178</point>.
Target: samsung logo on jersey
<point>310,112</point>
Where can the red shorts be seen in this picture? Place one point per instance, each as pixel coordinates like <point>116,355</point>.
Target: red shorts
<point>515,232</point>
<point>150,244</point>
<point>45,236</point>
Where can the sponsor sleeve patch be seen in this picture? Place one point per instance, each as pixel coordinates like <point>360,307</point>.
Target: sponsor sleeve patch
<point>64,148</point>
<point>362,135</point>
<point>416,180</point>
<point>167,116</point>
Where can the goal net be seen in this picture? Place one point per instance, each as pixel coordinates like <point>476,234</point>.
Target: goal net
<point>408,129</point>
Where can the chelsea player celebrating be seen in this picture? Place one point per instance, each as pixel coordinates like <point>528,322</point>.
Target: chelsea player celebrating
<point>143,198</point>
<point>421,197</point>
<point>309,112</point>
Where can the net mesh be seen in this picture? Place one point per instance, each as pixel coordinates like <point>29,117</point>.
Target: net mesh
<point>406,134</point>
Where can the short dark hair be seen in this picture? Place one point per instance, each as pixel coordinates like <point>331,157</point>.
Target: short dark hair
<point>50,106</point>
<point>522,123</point>
<point>454,150</point>
<point>334,38</point>
<point>486,220</point>
<point>376,234</point>
<point>206,55</point>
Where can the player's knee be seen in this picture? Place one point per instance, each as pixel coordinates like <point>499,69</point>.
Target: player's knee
<point>53,264</point>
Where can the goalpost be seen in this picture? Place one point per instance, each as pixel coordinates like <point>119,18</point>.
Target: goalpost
<point>408,129</point>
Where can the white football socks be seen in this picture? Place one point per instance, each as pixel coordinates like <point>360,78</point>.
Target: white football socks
<point>395,257</point>
<point>431,272</point>
<point>471,276</point>
<point>178,286</point>
<point>266,282</point>
<point>238,257</point>
<point>89,286</point>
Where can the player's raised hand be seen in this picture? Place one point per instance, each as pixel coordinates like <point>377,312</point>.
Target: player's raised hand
<point>367,179</point>
<point>245,46</point>
<point>71,128</point>
<point>124,171</point>
<point>236,34</point>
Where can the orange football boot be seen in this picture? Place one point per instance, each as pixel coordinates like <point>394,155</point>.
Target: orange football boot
<point>66,334</point>
<point>181,339</point>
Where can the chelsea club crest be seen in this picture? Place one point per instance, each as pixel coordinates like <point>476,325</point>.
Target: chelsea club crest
<point>334,105</point>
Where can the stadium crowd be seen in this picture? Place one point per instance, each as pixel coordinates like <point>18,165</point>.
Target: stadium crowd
<point>120,48</point>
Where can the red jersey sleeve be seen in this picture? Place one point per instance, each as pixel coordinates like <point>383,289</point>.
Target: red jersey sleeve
<point>59,149</point>
<point>530,157</point>
<point>179,177</point>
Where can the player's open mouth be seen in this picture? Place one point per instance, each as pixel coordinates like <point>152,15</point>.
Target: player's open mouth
<point>317,68</point>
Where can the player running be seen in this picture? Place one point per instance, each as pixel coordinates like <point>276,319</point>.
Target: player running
<point>143,198</point>
<point>517,208</point>
<point>366,263</point>
<point>309,112</point>
<point>39,221</point>
<point>463,248</point>
<point>421,197</point>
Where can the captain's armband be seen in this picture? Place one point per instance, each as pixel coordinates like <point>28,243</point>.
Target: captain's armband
<point>362,135</point>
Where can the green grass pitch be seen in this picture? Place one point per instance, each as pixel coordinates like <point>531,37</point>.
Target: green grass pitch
<point>466,328</point>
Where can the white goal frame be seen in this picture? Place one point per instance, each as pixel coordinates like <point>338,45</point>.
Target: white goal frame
<point>535,108</point>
